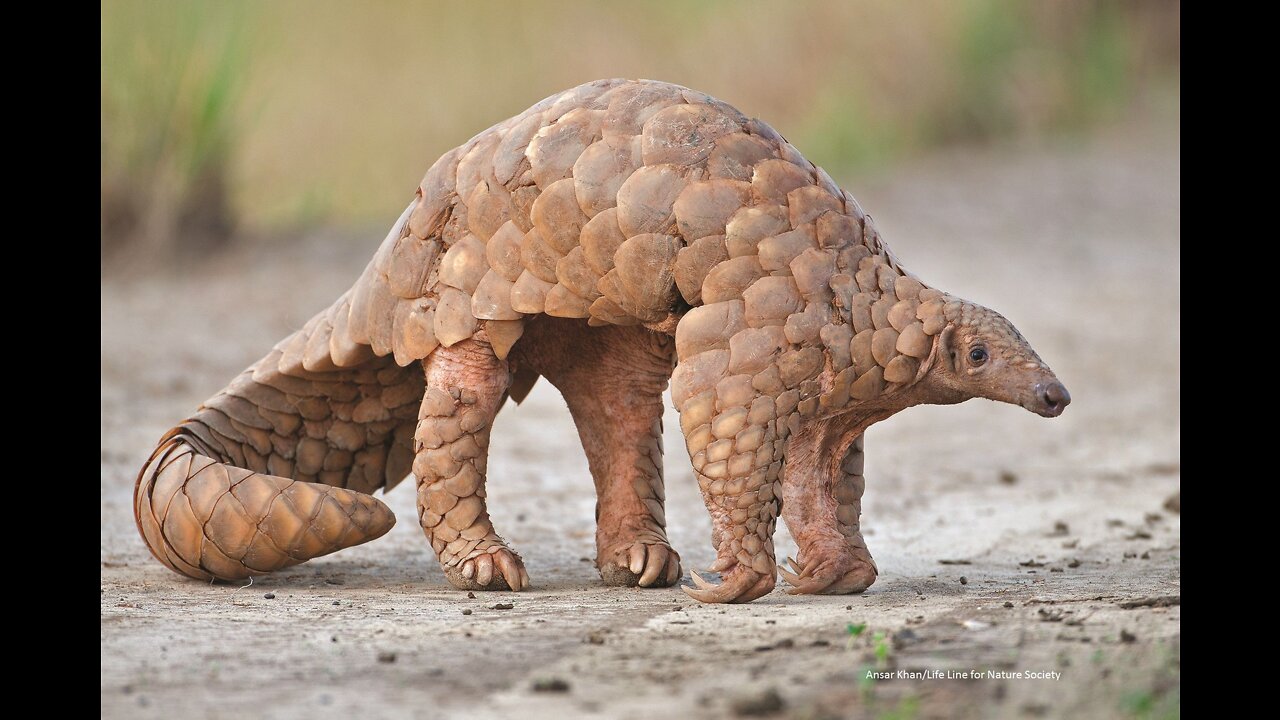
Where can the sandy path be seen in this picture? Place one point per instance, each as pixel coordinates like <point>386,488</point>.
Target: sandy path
<point>1078,245</point>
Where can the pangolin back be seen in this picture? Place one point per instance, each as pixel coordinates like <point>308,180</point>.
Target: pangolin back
<point>617,201</point>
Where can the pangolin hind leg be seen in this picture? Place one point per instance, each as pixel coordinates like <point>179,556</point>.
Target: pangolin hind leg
<point>276,468</point>
<point>466,385</point>
<point>822,504</point>
<point>612,379</point>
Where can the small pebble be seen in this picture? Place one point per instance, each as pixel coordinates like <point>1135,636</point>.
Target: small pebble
<point>964,580</point>
<point>335,602</point>
<point>471,596</point>
<point>467,611</point>
<point>1128,637</point>
<point>270,596</point>
<point>595,638</point>
<point>550,685</point>
<point>502,606</point>
<point>1008,604</point>
<point>386,657</point>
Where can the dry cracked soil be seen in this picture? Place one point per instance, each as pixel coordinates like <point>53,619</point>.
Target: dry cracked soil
<point>1006,543</point>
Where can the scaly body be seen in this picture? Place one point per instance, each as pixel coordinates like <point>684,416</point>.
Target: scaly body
<point>607,236</point>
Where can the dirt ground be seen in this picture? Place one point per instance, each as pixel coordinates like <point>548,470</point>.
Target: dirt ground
<point>1006,542</point>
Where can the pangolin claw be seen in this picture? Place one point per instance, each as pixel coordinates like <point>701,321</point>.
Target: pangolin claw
<point>498,569</point>
<point>636,555</point>
<point>657,564</point>
<point>643,564</point>
<point>513,571</point>
<point>742,585</point>
<point>700,581</point>
<point>484,569</point>
<point>827,579</point>
<point>801,585</point>
<point>790,577</point>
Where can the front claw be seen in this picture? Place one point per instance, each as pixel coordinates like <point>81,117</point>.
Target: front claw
<point>841,573</point>
<point>741,585</point>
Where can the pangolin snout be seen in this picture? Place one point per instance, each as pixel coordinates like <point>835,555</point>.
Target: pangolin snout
<point>1052,398</point>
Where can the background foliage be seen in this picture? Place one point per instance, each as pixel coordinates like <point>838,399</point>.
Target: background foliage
<point>256,118</point>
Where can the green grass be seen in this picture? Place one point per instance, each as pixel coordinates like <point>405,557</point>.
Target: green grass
<point>169,98</point>
<point>881,643</point>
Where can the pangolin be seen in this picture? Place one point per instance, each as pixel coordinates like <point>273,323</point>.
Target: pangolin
<point>612,238</point>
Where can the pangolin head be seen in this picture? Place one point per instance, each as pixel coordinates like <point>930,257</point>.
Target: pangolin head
<point>981,354</point>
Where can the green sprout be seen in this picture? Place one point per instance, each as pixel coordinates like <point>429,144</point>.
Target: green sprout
<point>882,648</point>
<point>853,631</point>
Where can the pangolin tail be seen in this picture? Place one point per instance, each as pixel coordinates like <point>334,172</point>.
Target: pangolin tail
<point>210,520</point>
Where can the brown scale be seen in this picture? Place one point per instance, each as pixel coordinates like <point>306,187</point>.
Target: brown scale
<point>599,238</point>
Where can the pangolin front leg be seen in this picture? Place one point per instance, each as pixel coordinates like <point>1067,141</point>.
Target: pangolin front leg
<point>466,384</point>
<point>822,504</point>
<point>735,441</point>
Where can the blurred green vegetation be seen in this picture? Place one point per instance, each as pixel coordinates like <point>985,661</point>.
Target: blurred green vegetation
<point>268,116</point>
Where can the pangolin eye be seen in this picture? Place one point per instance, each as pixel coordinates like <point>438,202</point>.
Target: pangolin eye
<point>978,355</point>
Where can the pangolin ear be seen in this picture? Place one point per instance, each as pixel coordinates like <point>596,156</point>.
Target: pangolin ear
<point>944,349</point>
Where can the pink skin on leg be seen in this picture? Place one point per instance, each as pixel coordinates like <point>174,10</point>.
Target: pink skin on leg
<point>822,499</point>
<point>612,379</point>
